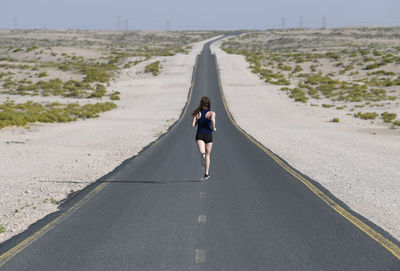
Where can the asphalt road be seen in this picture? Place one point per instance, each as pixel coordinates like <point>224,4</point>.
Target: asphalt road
<point>250,215</point>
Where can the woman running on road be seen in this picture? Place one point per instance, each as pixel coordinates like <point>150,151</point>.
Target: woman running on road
<point>205,120</point>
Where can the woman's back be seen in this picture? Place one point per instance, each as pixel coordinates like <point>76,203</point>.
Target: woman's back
<point>203,123</point>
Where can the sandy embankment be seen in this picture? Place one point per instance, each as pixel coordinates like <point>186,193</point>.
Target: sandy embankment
<point>43,164</point>
<point>359,165</point>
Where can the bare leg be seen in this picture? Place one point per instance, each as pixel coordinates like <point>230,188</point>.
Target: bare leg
<point>208,152</point>
<point>201,146</point>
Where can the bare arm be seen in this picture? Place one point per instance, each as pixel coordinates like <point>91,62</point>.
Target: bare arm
<point>213,121</point>
<point>194,121</point>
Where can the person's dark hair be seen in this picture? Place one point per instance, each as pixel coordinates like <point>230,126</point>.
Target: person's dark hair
<point>205,104</point>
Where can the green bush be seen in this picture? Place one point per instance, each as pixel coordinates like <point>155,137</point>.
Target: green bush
<point>64,67</point>
<point>310,90</point>
<point>284,67</point>
<point>382,72</point>
<point>298,68</point>
<point>12,114</point>
<point>115,95</point>
<point>366,115</point>
<point>70,88</point>
<point>96,73</point>
<point>9,83</point>
<point>54,86</point>
<point>271,77</point>
<point>30,49</point>
<point>374,66</point>
<point>154,68</point>
<point>377,53</point>
<point>315,79</point>
<point>335,120</point>
<point>383,82</point>
<point>99,92</point>
<point>332,55</point>
<point>388,117</point>
<point>346,69</point>
<point>297,94</point>
<point>2,228</point>
<point>369,59</point>
<point>313,93</point>
<point>396,122</point>
<point>42,74</point>
<point>73,88</point>
<point>4,58</point>
<point>128,65</point>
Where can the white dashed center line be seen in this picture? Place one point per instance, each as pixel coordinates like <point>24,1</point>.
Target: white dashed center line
<point>202,219</point>
<point>203,195</point>
<point>200,256</point>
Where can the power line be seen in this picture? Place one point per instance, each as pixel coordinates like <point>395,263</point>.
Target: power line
<point>282,22</point>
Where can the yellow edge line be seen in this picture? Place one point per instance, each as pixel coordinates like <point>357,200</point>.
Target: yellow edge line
<point>28,241</point>
<point>8,255</point>
<point>390,246</point>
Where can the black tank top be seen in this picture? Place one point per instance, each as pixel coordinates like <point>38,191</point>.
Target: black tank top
<point>203,124</point>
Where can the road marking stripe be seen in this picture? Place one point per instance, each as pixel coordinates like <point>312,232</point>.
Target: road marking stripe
<point>200,256</point>
<point>202,219</point>
<point>390,246</point>
<point>203,195</point>
<point>12,252</point>
<point>28,241</point>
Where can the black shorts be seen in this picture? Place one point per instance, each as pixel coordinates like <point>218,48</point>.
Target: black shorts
<point>207,138</point>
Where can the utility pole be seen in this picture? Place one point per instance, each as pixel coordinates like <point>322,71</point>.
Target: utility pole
<point>126,25</point>
<point>301,22</point>
<point>283,22</point>
<point>119,23</point>
<point>324,22</point>
<point>15,22</point>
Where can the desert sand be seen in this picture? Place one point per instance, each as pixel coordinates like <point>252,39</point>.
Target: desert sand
<point>355,160</point>
<point>42,165</point>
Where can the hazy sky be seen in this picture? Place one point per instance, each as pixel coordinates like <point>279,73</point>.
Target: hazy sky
<point>189,14</point>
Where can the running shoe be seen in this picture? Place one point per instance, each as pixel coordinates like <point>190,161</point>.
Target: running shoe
<point>203,160</point>
<point>206,176</point>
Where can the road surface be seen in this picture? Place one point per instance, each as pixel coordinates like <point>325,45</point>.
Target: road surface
<point>156,213</point>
